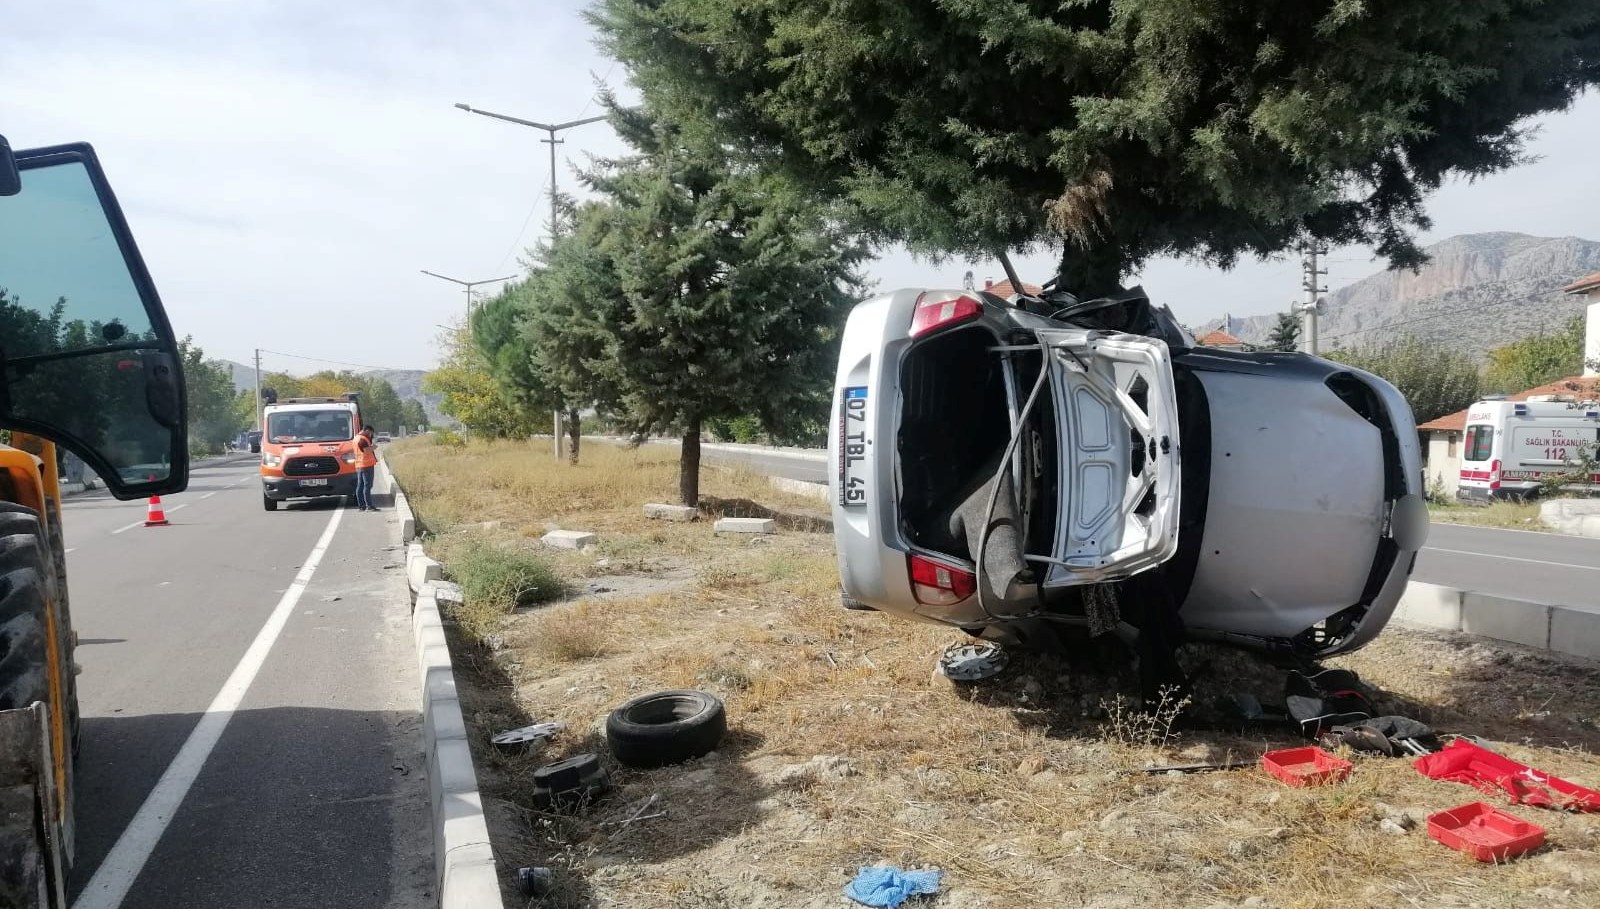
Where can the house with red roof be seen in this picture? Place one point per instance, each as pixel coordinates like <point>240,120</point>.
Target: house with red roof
<point>1441,438</point>
<point>1221,339</point>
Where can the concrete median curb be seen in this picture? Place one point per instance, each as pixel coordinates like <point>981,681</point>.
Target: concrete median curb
<point>1567,631</point>
<point>463,858</point>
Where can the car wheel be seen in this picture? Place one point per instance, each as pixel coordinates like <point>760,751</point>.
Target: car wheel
<point>666,727</point>
<point>268,503</point>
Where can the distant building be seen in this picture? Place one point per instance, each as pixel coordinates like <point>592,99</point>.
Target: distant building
<point>1589,287</point>
<point>1222,340</point>
<point>1006,289</point>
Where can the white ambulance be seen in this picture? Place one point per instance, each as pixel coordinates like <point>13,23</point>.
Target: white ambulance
<point>1513,448</point>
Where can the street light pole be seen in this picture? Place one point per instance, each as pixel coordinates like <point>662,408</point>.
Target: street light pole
<point>552,141</point>
<point>469,285</point>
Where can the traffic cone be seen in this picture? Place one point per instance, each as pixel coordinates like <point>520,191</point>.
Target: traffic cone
<point>156,517</point>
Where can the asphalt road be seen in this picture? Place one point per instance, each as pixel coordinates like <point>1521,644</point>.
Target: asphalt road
<point>249,680</point>
<point>1548,568</point>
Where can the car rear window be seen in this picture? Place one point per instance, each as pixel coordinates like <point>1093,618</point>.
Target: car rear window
<point>1480,442</point>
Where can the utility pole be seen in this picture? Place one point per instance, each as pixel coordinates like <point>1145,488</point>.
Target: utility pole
<point>1310,281</point>
<point>552,141</point>
<point>263,429</point>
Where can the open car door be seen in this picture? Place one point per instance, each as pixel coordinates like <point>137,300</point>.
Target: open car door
<point>1117,421</point>
<point>87,357</point>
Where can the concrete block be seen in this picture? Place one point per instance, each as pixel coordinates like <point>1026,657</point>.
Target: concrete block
<point>455,767</point>
<point>670,512</point>
<point>1430,606</point>
<point>408,520</point>
<point>468,880</point>
<point>1504,619</point>
<point>449,593</point>
<point>569,539</point>
<point>745,525</point>
<point>420,569</point>
<point>1575,632</point>
<point>817,491</point>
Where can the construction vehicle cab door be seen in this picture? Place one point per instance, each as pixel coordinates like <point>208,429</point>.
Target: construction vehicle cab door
<point>87,357</point>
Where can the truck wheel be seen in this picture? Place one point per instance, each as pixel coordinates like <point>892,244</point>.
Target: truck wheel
<point>268,503</point>
<point>24,676</point>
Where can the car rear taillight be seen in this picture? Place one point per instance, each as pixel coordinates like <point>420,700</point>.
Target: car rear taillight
<point>1494,474</point>
<point>937,584</point>
<point>935,311</point>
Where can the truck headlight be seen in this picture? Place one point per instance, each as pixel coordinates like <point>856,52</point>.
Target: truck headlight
<point>349,457</point>
<point>272,460</point>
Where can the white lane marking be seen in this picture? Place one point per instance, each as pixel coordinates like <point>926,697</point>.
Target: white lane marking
<point>141,523</point>
<point>72,550</point>
<point>1490,555</point>
<point>1542,533</point>
<point>207,496</point>
<point>116,874</point>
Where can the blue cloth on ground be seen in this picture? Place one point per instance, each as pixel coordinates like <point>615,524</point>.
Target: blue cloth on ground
<point>888,886</point>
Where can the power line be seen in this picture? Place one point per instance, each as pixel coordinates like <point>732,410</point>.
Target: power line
<point>334,362</point>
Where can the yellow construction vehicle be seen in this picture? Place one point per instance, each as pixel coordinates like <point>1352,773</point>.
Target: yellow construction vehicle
<point>87,361</point>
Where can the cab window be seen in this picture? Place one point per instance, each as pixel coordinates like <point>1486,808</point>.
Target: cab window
<point>86,355</point>
<point>295,426</point>
<point>1480,443</point>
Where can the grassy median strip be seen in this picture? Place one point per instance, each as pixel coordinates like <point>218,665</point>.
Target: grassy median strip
<point>1509,515</point>
<point>844,750</point>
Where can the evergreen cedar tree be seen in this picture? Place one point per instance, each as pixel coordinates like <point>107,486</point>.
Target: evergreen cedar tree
<point>1116,131</point>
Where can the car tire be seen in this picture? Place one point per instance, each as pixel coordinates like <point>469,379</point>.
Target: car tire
<point>268,503</point>
<point>666,727</point>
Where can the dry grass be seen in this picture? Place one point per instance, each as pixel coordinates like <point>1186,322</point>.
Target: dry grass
<point>1513,515</point>
<point>845,750</point>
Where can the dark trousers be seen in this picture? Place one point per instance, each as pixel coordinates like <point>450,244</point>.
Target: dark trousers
<point>364,487</point>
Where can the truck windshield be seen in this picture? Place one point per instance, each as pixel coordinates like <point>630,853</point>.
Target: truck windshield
<point>309,426</point>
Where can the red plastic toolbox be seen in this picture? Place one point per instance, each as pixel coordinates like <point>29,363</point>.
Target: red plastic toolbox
<point>1485,832</point>
<point>1308,766</point>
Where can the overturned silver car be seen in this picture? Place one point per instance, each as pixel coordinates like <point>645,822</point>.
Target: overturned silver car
<point>1031,467</point>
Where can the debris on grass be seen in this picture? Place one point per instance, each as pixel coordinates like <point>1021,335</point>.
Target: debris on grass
<point>844,751</point>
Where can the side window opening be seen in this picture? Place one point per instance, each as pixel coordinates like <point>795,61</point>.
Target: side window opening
<point>1480,443</point>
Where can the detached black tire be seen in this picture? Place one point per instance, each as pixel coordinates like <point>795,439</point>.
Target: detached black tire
<point>666,727</point>
<point>268,504</point>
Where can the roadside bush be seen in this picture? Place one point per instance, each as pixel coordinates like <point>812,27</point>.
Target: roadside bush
<point>496,580</point>
<point>449,439</point>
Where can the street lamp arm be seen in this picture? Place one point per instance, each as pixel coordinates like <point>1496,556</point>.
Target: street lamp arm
<point>570,123</point>
<point>508,118</point>
<point>444,277</point>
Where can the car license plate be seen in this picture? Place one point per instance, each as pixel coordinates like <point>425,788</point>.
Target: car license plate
<point>854,481</point>
<point>322,482</point>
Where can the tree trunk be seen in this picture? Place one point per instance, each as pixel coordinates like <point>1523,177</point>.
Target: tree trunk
<point>689,464</point>
<point>574,433</point>
<point>1094,272</point>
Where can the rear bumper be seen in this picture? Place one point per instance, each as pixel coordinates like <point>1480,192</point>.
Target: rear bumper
<point>281,489</point>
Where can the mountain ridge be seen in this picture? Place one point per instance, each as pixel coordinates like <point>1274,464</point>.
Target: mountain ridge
<point>1476,292</point>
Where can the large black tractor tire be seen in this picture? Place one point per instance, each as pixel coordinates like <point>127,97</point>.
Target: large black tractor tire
<point>24,675</point>
<point>26,565</point>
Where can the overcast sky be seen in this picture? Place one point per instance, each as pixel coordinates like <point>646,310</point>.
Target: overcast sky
<point>289,166</point>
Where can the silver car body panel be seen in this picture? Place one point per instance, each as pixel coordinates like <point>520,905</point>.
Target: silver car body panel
<point>1102,532</point>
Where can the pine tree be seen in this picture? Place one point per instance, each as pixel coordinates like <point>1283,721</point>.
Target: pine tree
<point>1285,333</point>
